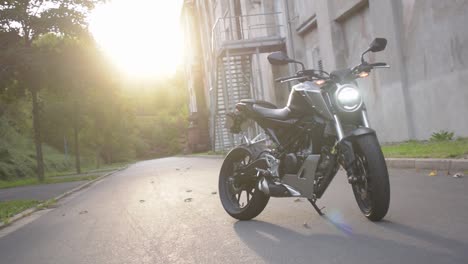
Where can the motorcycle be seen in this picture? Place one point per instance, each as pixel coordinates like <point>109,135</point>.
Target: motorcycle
<point>323,126</point>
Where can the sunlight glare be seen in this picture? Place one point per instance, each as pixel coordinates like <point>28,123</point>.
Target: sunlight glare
<point>142,37</point>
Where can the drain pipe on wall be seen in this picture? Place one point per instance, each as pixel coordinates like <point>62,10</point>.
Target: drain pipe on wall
<point>398,20</point>
<point>289,39</point>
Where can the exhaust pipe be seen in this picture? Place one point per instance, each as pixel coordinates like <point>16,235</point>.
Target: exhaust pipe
<point>277,189</point>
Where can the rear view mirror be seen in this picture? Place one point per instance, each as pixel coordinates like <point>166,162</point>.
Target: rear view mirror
<point>279,58</point>
<point>378,44</point>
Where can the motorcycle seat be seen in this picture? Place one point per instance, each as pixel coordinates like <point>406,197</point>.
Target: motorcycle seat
<point>259,102</point>
<point>279,114</point>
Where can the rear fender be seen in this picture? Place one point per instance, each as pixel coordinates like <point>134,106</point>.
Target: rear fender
<point>254,150</point>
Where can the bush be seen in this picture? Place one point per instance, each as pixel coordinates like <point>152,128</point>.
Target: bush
<point>442,136</point>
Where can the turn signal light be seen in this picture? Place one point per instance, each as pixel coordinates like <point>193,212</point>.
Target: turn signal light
<point>363,74</point>
<point>319,82</point>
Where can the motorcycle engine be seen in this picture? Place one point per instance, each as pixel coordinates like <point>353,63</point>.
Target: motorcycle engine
<point>290,164</point>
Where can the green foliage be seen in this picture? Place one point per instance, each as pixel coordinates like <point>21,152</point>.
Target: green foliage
<point>11,208</point>
<point>116,125</point>
<point>442,136</point>
<point>161,118</point>
<point>427,149</point>
<point>37,17</point>
<point>17,155</point>
<point>26,67</point>
<point>81,95</point>
<point>161,134</point>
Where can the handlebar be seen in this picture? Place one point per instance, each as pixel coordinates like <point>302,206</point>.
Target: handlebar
<point>305,74</point>
<point>367,67</point>
<point>379,64</point>
<point>301,75</point>
<point>283,79</point>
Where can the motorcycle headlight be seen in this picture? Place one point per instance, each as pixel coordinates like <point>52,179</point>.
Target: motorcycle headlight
<point>348,98</point>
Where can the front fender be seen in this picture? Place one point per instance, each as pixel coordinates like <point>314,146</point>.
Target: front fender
<point>360,131</point>
<point>346,144</point>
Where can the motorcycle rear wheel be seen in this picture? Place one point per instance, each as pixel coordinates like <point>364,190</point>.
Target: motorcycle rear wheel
<point>372,191</point>
<point>240,198</point>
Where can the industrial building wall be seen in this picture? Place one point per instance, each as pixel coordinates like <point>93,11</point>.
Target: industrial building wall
<point>382,90</point>
<point>435,45</point>
<point>426,88</point>
<point>425,91</point>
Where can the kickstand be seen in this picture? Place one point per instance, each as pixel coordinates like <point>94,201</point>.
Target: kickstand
<point>319,210</point>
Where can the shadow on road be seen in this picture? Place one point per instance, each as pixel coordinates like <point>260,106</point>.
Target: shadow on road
<point>276,244</point>
<point>454,246</point>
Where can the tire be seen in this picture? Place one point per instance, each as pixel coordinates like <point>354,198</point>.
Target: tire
<point>229,186</point>
<point>372,193</point>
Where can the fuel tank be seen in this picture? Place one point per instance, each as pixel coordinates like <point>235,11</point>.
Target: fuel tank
<point>307,98</point>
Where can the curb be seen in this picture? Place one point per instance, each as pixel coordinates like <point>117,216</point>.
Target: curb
<point>450,165</point>
<point>83,174</point>
<point>30,211</point>
<point>207,156</point>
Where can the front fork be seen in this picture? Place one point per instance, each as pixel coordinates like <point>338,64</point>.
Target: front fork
<point>365,119</point>
<point>345,144</point>
<point>339,127</point>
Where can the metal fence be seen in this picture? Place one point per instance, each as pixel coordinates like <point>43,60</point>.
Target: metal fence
<point>245,27</point>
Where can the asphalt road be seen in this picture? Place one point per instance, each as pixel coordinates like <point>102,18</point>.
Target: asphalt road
<point>37,192</point>
<point>141,215</point>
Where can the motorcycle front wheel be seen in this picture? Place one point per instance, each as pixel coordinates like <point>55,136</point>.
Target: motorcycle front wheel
<point>372,190</point>
<point>238,193</point>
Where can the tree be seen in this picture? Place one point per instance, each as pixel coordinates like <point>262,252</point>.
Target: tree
<point>77,70</point>
<point>29,19</point>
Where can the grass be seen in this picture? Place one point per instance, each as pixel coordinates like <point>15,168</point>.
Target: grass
<point>48,180</point>
<point>47,204</point>
<point>413,149</point>
<point>428,149</point>
<point>17,157</point>
<point>11,208</point>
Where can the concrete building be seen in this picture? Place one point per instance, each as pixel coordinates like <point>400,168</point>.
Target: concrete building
<point>425,91</point>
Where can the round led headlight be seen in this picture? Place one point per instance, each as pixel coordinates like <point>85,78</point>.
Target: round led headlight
<point>348,98</point>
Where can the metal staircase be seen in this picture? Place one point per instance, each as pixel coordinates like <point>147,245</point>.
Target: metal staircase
<point>235,41</point>
<point>233,84</point>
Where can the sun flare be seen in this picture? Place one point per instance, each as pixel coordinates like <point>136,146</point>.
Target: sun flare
<point>142,37</point>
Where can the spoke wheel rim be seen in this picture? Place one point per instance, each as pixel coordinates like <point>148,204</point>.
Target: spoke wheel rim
<point>362,189</point>
<point>240,193</point>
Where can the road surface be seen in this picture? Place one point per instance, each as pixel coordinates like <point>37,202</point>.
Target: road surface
<point>40,192</point>
<point>143,215</point>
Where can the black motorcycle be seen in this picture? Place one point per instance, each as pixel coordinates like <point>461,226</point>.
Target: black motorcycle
<point>323,126</point>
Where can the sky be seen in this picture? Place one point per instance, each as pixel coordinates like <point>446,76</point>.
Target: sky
<point>142,37</point>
